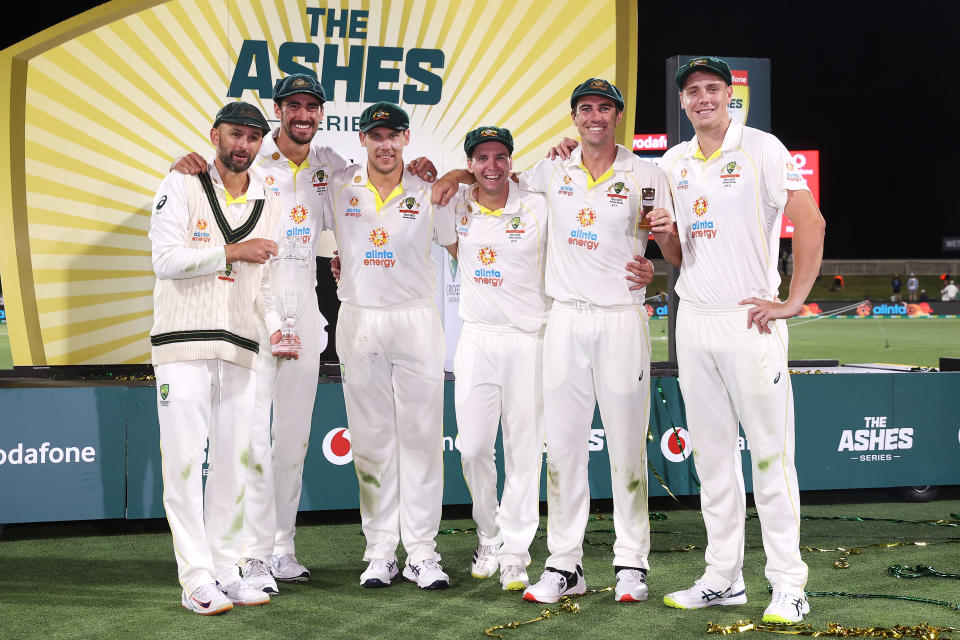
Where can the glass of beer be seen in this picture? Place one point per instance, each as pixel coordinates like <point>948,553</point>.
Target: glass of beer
<point>647,196</point>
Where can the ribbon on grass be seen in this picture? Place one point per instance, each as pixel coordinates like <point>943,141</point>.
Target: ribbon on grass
<point>834,630</point>
<point>566,605</point>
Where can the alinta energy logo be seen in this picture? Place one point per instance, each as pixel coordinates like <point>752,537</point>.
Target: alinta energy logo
<point>46,453</point>
<point>353,211</point>
<point>702,228</point>
<point>336,446</point>
<point>201,234</point>
<point>675,444</point>
<point>271,183</point>
<point>299,213</point>
<point>379,237</point>
<point>582,237</point>
<point>487,256</point>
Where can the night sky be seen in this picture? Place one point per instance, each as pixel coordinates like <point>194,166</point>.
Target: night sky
<point>873,87</point>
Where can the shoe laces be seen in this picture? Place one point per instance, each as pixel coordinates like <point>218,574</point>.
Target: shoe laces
<point>554,578</point>
<point>429,564</point>
<point>511,571</point>
<point>485,552</point>
<point>255,568</point>
<point>631,575</point>
<point>379,562</point>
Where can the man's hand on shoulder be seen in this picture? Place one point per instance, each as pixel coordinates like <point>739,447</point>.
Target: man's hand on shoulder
<point>449,184</point>
<point>190,164</point>
<point>562,150</point>
<point>423,169</point>
<point>257,250</point>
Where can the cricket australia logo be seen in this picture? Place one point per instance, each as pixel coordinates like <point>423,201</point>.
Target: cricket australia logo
<point>164,392</point>
<point>320,182</point>
<point>729,173</point>
<point>617,193</point>
<point>379,237</point>
<point>409,207</point>
<point>515,229</point>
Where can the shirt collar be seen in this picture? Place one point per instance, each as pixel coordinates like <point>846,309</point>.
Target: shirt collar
<point>731,140</point>
<point>620,163</point>
<point>254,189</point>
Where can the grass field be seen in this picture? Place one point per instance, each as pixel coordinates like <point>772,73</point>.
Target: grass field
<point>103,580</point>
<point>6,359</point>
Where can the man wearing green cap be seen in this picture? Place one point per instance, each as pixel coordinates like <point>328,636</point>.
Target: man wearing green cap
<point>501,250</point>
<point>391,347</point>
<point>210,235</point>
<point>297,169</point>
<point>596,346</point>
<point>731,184</point>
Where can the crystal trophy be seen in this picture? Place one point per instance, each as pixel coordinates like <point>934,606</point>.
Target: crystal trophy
<point>647,196</point>
<point>289,275</point>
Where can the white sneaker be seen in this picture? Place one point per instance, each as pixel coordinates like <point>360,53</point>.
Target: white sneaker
<point>485,562</point>
<point>239,592</point>
<point>256,574</point>
<point>206,600</point>
<point>285,568</point>
<point>703,594</point>
<point>787,606</point>
<point>631,585</point>
<point>514,578</point>
<point>554,584</point>
<point>428,574</point>
<point>379,573</point>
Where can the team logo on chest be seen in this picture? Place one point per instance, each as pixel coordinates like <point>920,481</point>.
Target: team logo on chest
<point>584,237</point>
<point>565,188</point>
<point>201,234</point>
<point>271,183</point>
<point>320,182</point>
<point>490,277</point>
<point>379,257</point>
<point>353,211</point>
<point>730,173</point>
<point>463,226</point>
<point>226,273</point>
<point>515,229</point>
<point>683,183</point>
<point>409,208</point>
<point>617,194</point>
<point>702,227</point>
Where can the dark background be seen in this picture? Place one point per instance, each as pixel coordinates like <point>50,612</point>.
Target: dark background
<point>873,87</point>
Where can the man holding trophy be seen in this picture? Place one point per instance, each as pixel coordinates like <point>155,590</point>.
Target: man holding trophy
<point>210,235</point>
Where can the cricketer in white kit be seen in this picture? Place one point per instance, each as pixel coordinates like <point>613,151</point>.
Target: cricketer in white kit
<point>596,347</point>
<point>391,348</point>
<point>210,235</point>
<point>730,185</point>
<point>502,234</point>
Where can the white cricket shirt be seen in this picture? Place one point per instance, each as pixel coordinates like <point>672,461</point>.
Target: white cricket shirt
<point>385,247</point>
<point>593,225</point>
<point>301,190</point>
<point>728,210</point>
<point>501,255</point>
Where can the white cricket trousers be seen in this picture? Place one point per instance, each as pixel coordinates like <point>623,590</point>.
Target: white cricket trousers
<point>596,356</point>
<point>205,400</point>
<point>278,450</point>
<point>392,363</point>
<point>731,374</point>
<point>498,380</point>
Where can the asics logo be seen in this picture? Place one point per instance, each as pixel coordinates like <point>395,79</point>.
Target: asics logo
<point>797,604</point>
<point>714,595</point>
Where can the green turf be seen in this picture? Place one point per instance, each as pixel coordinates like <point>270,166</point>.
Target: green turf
<point>69,582</point>
<point>913,341</point>
<point>6,359</point>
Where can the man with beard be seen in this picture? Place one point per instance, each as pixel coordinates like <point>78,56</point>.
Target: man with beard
<point>209,235</point>
<point>297,168</point>
<point>391,348</point>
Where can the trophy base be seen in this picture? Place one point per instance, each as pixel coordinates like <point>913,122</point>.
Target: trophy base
<point>644,225</point>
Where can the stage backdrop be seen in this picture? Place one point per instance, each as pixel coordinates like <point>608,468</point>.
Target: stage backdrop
<point>97,107</point>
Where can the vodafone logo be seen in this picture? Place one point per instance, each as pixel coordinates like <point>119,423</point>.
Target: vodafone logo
<point>675,445</point>
<point>336,446</point>
<point>650,142</point>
